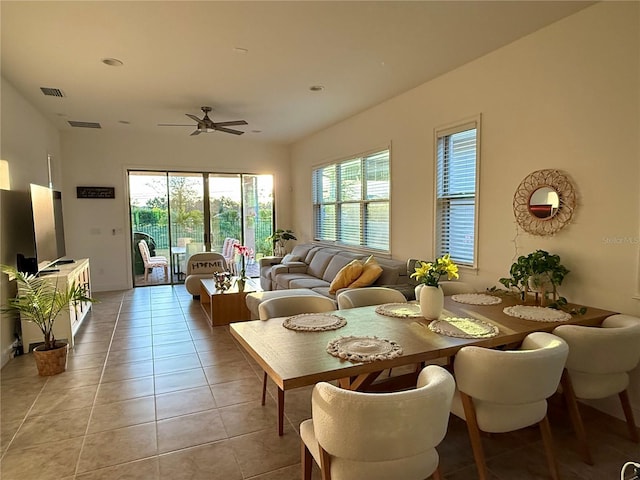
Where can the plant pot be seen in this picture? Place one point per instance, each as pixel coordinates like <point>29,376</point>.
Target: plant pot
<point>431,302</point>
<point>51,362</point>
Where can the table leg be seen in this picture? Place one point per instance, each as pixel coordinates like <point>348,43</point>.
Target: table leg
<point>280,411</point>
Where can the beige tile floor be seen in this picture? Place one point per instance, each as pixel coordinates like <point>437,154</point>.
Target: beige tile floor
<point>152,392</point>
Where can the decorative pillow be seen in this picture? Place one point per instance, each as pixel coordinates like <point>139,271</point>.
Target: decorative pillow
<point>346,275</point>
<point>371,271</point>
<point>288,258</point>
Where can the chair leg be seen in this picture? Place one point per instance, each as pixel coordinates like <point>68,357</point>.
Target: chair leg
<point>325,464</point>
<point>437,474</point>
<point>547,441</point>
<point>264,388</point>
<point>474,436</point>
<point>146,274</point>
<point>576,419</point>
<point>307,462</point>
<point>628,414</point>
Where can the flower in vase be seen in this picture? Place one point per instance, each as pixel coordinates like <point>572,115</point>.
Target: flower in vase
<point>245,254</point>
<point>430,273</point>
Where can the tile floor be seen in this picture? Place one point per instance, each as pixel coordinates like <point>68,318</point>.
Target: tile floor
<point>152,392</point>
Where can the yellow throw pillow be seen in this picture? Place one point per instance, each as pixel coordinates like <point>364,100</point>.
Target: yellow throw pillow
<point>347,274</point>
<point>371,271</point>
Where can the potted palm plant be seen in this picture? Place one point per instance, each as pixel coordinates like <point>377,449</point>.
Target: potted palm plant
<point>279,238</point>
<point>40,300</point>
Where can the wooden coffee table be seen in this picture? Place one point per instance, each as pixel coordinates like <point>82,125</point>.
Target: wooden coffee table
<point>225,306</point>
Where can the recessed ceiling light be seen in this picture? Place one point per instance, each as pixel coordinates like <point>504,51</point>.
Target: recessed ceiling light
<point>112,62</point>
<point>241,50</point>
<point>256,131</point>
<point>316,88</point>
<point>124,122</point>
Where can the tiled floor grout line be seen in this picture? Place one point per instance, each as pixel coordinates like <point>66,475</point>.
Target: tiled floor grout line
<point>95,395</point>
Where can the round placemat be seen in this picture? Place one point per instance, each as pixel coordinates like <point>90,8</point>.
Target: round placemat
<point>399,310</point>
<point>476,299</point>
<point>364,349</point>
<point>538,314</point>
<point>463,328</point>
<point>314,322</point>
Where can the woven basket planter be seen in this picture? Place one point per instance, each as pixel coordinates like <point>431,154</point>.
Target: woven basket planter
<point>51,362</point>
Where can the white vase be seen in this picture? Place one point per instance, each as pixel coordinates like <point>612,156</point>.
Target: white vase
<point>431,302</point>
<point>417,291</point>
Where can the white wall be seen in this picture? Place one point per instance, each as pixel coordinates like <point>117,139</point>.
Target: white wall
<point>101,158</point>
<point>26,137</point>
<point>566,97</point>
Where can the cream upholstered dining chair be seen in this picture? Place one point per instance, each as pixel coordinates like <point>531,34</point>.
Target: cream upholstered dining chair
<point>362,297</point>
<point>150,262</point>
<point>288,306</point>
<point>597,367</point>
<point>505,390</point>
<point>378,436</point>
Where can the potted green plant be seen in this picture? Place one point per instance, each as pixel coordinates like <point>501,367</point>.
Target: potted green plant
<point>540,272</point>
<point>40,300</point>
<point>279,239</point>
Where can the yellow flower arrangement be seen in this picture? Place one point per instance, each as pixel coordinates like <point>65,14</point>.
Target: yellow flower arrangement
<point>429,273</point>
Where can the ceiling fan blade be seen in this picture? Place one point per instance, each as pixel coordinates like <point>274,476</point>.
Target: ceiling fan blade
<point>193,117</point>
<point>173,125</point>
<point>228,130</point>
<point>196,132</point>
<point>229,124</point>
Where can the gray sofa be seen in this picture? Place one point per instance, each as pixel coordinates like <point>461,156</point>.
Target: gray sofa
<point>313,267</point>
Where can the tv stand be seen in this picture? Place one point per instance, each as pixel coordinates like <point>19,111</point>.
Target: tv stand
<point>69,320</point>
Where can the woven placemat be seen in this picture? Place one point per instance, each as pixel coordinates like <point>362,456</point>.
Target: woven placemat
<point>463,328</point>
<point>538,314</point>
<point>314,322</point>
<point>364,349</point>
<point>476,299</point>
<point>399,310</point>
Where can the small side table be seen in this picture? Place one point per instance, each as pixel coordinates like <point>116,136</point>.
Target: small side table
<point>225,306</point>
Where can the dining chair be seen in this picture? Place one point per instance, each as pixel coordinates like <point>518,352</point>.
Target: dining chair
<point>378,436</point>
<point>229,253</point>
<point>289,306</point>
<point>501,391</point>
<point>597,367</point>
<point>150,262</point>
<point>362,297</point>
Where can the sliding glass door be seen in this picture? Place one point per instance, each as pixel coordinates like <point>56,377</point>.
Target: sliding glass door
<point>179,214</point>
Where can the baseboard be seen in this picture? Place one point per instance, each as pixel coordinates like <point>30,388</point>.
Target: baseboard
<point>5,356</point>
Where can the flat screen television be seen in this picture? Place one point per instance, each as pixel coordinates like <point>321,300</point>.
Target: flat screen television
<point>48,228</point>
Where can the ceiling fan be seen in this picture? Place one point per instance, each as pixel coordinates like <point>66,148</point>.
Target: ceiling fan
<point>206,125</point>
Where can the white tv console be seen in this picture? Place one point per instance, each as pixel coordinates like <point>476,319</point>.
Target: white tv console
<point>68,321</point>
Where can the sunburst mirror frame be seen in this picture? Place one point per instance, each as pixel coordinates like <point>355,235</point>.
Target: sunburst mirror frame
<point>560,183</point>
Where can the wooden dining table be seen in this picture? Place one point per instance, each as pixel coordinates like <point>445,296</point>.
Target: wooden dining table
<point>294,359</point>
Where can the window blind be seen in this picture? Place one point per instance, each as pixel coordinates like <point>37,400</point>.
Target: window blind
<point>456,167</point>
<point>351,201</point>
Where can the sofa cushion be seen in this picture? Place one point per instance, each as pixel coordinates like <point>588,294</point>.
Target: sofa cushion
<point>320,261</point>
<point>307,282</point>
<point>283,280</point>
<point>338,262</point>
<point>346,275</point>
<point>290,257</point>
<point>371,270</point>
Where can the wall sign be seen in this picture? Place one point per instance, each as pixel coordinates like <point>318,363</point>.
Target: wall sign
<point>96,192</point>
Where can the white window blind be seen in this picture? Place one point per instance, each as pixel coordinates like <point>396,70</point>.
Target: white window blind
<point>351,201</point>
<point>456,164</point>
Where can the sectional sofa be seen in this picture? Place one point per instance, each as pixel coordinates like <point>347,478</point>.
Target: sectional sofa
<point>314,267</point>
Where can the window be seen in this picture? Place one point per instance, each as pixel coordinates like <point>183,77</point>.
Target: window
<point>351,202</point>
<point>456,192</point>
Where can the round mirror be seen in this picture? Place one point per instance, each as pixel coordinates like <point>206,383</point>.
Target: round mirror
<point>544,202</point>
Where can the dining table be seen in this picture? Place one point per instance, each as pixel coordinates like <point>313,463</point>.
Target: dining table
<point>295,358</point>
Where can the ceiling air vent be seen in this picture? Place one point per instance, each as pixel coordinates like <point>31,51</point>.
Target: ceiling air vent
<point>84,124</point>
<point>52,92</point>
